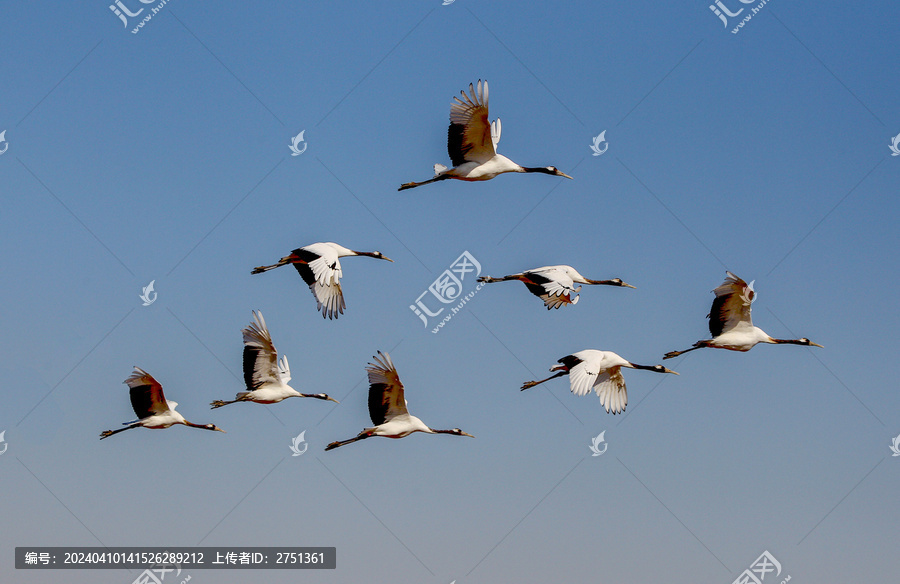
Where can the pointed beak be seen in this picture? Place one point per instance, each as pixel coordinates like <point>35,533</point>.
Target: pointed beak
<point>561,173</point>
<point>466,434</point>
<point>812,344</point>
<point>332,399</point>
<point>670,371</point>
<point>628,285</point>
<point>387,258</point>
<point>221,430</point>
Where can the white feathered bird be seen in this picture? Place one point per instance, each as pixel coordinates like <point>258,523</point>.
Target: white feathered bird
<point>600,371</point>
<point>730,324</point>
<point>387,406</point>
<point>472,143</point>
<point>152,408</point>
<point>555,285</point>
<point>320,267</point>
<point>265,375</point>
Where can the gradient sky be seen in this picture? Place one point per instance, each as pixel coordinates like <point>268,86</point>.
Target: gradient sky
<point>163,155</point>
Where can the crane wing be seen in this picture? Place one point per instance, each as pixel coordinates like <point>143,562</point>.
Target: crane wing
<point>147,398</point>
<point>469,136</point>
<point>731,307</point>
<point>284,369</point>
<point>610,388</point>
<point>495,133</point>
<point>386,399</point>
<point>554,287</point>
<point>582,375</point>
<point>260,356</point>
<point>320,268</point>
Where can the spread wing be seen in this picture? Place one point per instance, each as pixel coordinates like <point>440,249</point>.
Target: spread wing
<point>469,136</point>
<point>147,397</point>
<point>495,133</point>
<point>610,387</point>
<point>260,356</point>
<point>554,287</point>
<point>582,377</point>
<point>386,400</point>
<point>320,268</point>
<point>731,307</point>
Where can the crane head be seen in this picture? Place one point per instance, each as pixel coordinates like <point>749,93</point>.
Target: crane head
<point>661,369</point>
<point>212,427</point>
<point>556,172</point>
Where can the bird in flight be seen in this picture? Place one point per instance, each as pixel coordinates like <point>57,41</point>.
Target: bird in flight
<point>387,406</point>
<point>320,267</point>
<point>600,371</point>
<point>730,324</point>
<point>472,143</point>
<point>265,376</point>
<point>555,285</point>
<point>152,408</point>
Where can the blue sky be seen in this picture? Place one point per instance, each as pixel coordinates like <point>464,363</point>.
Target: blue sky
<point>163,156</point>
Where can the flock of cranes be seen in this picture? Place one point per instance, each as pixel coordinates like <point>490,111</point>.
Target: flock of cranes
<point>472,145</point>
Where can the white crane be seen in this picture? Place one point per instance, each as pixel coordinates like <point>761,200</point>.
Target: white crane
<point>320,268</point>
<point>151,406</point>
<point>730,324</point>
<point>600,370</point>
<point>387,406</point>
<point>472,143</point>
<point>265,376</point>
<point>555,285</point>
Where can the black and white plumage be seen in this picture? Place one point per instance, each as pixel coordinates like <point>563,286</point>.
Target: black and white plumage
<point>730,323</point>
<point>600,371</point>
<point>151,406</point>
<point>472,143</point>
<point>320,268</point>
<point>555,285</point>
<point>387,406</point>
<point>265,376</point>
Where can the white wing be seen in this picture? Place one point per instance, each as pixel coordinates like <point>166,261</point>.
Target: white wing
<point>582,377</point>
<point>469,137</point>
<point>260,356</point>
<point>610,387</point>
<point>284,370</point>
<point>495,133</point>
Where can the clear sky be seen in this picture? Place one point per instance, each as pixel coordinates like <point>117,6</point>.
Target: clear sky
<point>163,155</point>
